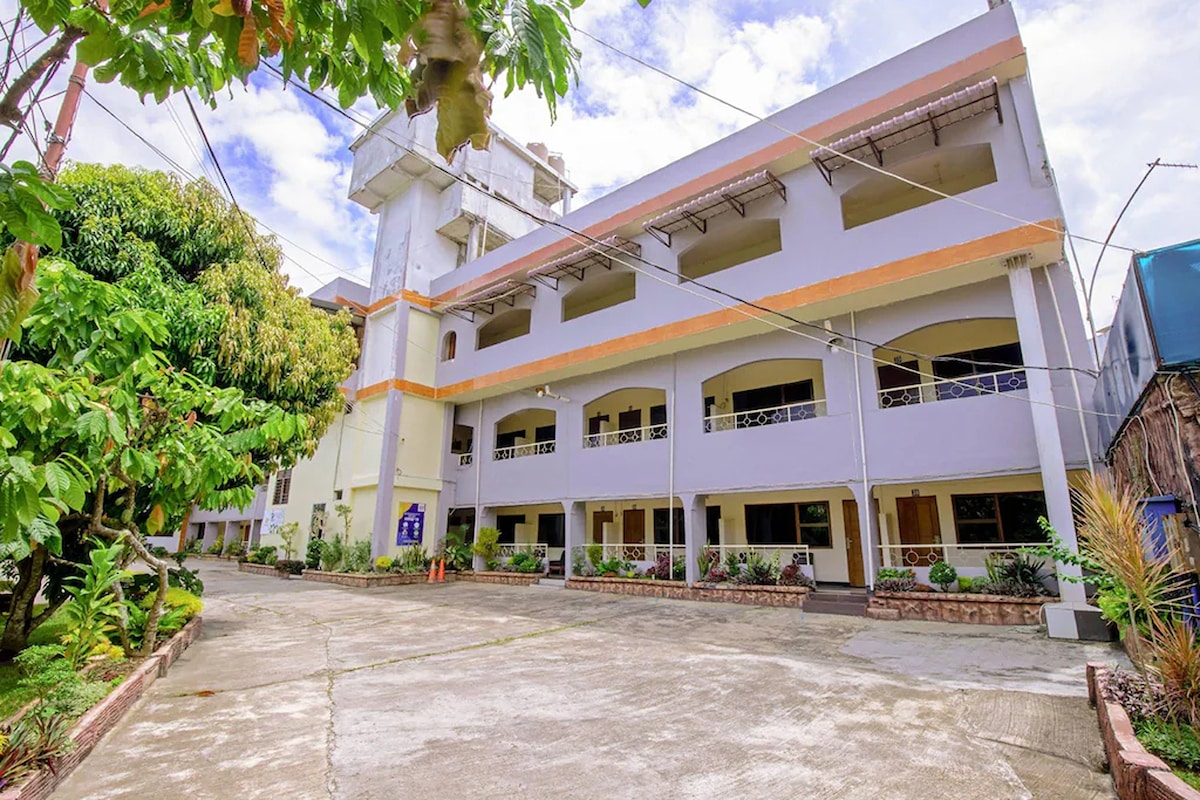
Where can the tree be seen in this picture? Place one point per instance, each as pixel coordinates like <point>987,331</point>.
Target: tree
<point>240,375</point>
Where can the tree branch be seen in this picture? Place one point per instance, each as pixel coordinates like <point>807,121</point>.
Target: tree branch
<point>10,104</point>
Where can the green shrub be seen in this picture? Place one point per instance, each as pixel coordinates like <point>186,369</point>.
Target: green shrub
<point>793,575</point>
<point>890,579</point>
<point>943,575</point>
<point>1017,575</point>
<point>1175,743</point>
<point>333,554</point>
<point>234,549</point>
<point>455,549</point>
<point>758,570</point>
<point>595,555</point>
<point>526,563</point>
<point>312,554</point>
<point>487,545</point>
<point>187,602</point>
<point>383,564</point>
<point>411,560</point>
<point>613,567</point>
<point>216,547</point>
<point>289,566</point>
<point>358,556</point>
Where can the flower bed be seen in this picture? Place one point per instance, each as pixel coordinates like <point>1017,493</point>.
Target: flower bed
<point>980,609</point>
<point>1136,773</point>
<point>782,596</point>
<point>104,716</point>
<point>507,578</point>
<point>365,580</point>
<point>256,569</point>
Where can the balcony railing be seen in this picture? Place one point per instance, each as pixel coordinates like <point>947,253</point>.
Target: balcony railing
<point>646,551</point>
<point>522,450</point>
<point>953,388</point>
<point>797,554</point>
<point>626,436</point>
<point>969,555</point>
<point>538,549</point>
<point>466,459</point>
<point>756,418</point>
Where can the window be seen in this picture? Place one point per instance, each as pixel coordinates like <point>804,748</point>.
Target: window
<point>552,530</point>
<point>984,358</point>
<point>726,247</point>
<point>509,439</point>
<point>598,293</point>
<point>662,526</point>
<point>283,487</point>
<point>713,525</point>
<point>994,518</point>
<point>507,525</point>
<point>449,346</point>
<point>952,170</point>
<point>789,523</point>
<point>503,327</point>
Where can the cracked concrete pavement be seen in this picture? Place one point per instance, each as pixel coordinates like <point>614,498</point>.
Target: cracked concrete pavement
<point>301,690</point>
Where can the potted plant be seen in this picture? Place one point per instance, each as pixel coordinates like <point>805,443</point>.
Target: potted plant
<point>943,575</point>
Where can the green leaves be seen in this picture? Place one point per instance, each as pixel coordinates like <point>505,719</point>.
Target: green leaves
<point>24,199</point>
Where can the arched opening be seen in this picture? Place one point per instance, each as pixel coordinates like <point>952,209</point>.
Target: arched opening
<point>625,416</point>
<point>764,393</point>
<point>950,360</point>
<point>730,244</point>
<point>449,346</point>
<point>502,327</point>
<point>598,293</point>
<point>952,170</point>
<point>528,432</point>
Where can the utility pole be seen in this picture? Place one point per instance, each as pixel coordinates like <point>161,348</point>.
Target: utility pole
<point>67,112</point>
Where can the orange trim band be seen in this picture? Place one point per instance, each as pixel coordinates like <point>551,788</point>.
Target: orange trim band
<point>342,301</point>
<point>978,62</point>
<point>1014,239</point>
<point>404,294</point>
<point>408,387</point>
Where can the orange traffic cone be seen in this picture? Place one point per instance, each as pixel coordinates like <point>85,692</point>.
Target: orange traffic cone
<point>432,573</point>
<point>442,571</point>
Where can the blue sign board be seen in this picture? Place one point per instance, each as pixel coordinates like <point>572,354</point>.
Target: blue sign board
<point>412,520</point>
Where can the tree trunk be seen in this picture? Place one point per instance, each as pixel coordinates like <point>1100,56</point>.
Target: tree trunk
<point>21,621</point>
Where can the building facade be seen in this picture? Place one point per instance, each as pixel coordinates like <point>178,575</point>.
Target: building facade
<point>764,345</point>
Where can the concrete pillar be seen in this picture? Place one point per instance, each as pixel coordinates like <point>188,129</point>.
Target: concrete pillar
<point>575,513</point>
<point>695,529</point>
<point>382,533</point>
<point>1045,418</point>
<point>484,518</point>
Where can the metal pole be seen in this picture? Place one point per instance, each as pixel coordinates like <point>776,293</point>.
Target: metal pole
<point>862,444</point>
<point>67,111</point>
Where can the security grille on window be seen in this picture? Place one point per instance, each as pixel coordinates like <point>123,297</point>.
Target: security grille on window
<point>995,518</point>
<point>283,487</point>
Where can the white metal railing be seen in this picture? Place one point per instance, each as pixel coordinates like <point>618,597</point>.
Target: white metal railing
<point>522,450</point>
<point>756,418</point>
<point>953,388</point>
<point>638,552</point>
<point>958,555</point>
<point>466,459</point>
<point>626,436</point>
<point>788,553</point>
<point>538,549</point>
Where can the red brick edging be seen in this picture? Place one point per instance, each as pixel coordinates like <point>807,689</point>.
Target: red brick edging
<point>365,580</point>
<point>508,578</point>
<point>102,717</point>
<point>981,609</point>
<point>780,596</point>
<point>256,569</point>
<point>1136,773</point>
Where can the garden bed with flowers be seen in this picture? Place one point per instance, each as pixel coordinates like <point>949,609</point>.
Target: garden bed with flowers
<point>1012,593</point>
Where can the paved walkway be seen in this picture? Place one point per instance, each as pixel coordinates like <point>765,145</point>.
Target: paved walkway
<point>301,690</point>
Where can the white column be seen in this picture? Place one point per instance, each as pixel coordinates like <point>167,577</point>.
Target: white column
<point>1045,418</point>
<point>695,533</point>
<point>575,513</point>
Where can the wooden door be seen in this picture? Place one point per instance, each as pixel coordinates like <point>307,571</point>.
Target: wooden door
<point>630,421</point>
<point>918,525</point>
<point>854,560</point>
<point>598,520</point>
<point>633,533</point>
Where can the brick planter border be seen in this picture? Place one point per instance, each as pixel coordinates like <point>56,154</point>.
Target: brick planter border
<point>980,609</point>
<point>102,717</point>
<point>506,578</point>
<point>256,569</point>
<point>364,580</point>
<point>1137,774</point>
<point>778,596</point>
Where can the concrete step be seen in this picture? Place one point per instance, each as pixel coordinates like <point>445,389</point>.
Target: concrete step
<point>552,583</point>
<point>840,609</point>
<point>848,603</point>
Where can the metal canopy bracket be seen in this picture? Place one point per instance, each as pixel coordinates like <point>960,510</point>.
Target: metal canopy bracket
<point>931,118</point>
<point>697,212</point>
<point>485,301</point>
<point>576,263</point>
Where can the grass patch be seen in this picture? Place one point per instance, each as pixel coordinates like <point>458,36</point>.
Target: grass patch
<point>12,696</point>
<point>1190,778</point>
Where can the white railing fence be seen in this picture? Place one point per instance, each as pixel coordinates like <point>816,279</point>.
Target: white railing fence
<point>788,553</point>
<point>538,549</point>
<point>627,436</point>
<point>637,552</point>
<point>522,450</point>
<point>953,388</point>
<point>957,555</point>
<point>466,459</point>
<point>793,412</point>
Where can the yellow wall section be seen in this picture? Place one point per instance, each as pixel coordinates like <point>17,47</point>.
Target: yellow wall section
<point>421,353</point>
<point>419,453</point>
<point>435,519</point>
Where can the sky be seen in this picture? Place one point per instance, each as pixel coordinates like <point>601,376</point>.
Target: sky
<point>1115,83</point>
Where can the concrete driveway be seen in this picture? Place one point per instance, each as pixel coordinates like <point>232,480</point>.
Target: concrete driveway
<point>466,690</point>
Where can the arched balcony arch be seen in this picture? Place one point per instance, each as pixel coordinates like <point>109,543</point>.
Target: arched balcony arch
<point>503,327</point>
<point>766,392</point>
<point>449,346</point>
<point>528,432</point>
<point>732,243</point>
<point>598,292</point>
<point>625,416</point>
<point>950,360</point>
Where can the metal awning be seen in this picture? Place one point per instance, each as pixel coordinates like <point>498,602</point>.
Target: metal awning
<point>577,262</point>
<point>930,118</point>
<point>486,300</point>
<point>696,213</point>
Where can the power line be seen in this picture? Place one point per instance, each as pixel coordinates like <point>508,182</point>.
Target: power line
<point>594,244</point>
<point>796,135</point>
